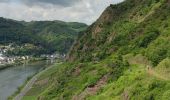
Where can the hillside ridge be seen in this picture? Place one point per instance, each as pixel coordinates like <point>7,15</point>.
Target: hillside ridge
<point>41,36</point>
<point>110,60</point>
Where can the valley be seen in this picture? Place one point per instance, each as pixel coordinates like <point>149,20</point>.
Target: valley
<point>123,55</point>
<point>27,48</point>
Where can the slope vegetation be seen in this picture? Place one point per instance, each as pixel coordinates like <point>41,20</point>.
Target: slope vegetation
<point>124,55</point>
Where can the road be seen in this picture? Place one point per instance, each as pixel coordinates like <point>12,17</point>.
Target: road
<point>152,72</point>
<point>29,85</point>
<point>26,88</point>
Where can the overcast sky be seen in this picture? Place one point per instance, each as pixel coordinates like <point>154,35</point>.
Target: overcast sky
<point>86,11</point>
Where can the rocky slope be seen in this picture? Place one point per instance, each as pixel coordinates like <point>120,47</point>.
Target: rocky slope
<point>124,55</point>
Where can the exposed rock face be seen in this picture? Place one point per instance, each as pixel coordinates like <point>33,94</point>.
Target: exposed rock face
<point>102,37</point>
<point>93,31</point>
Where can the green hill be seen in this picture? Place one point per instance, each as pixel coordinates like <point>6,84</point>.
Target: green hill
<point>124,55</point>
<point>39,36</point>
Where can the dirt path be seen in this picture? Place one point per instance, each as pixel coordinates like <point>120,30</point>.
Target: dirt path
<point>151,71</point>
<point>26,88</point>
<point>29,85</point>
<point>91,90</point>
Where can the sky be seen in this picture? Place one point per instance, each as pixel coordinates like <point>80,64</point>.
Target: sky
<point>86,11</point>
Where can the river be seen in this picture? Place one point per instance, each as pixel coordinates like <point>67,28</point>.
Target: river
<point>13,77</point>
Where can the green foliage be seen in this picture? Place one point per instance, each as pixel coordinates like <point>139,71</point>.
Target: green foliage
<point>158,50</point>
<point>118,66</point>
<point>46,36</point>
<point>144,40</point>
<point>135,84</point>
<point>163,68</point>
<point>121,45</point>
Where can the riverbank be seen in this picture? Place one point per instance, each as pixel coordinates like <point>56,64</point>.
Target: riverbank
<point>20,88</point>
<point>14,78</point>
<point>20,62</point>
<point>18,95</point>
<point>5,66</point>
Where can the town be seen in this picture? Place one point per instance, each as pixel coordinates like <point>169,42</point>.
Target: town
<point>9,60</point>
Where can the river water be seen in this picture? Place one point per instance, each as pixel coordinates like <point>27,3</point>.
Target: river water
<point>13,77</point>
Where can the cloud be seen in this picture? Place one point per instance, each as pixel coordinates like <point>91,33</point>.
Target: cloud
<point>4,0</point>
<point>64,3</point>
<point>86,11</point>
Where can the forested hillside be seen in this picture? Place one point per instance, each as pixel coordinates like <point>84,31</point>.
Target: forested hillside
<point>124,55</point>
<point>38,37</point>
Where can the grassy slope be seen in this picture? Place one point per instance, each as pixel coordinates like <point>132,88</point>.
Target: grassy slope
<point>136,83</point>
<point>131,50</point>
